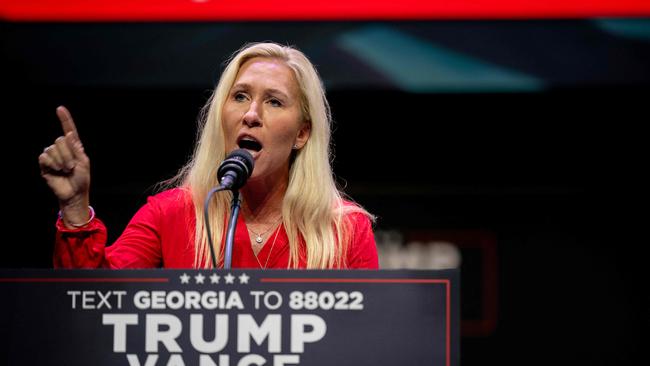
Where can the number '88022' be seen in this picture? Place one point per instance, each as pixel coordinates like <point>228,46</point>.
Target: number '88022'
<point>326,300</point>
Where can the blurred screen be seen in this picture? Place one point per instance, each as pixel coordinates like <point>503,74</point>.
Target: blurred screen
<point>210,10</point>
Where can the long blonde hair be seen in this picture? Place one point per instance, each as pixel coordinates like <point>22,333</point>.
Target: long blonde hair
<point>313,209</point>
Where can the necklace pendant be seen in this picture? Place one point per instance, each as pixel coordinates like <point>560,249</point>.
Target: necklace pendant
<point>259,239</point>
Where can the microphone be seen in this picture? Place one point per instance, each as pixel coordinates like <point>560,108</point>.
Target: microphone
<point>232,174</point>
<point>235,169</point>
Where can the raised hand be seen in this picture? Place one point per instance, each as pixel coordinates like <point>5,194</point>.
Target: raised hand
<point>66,169</point>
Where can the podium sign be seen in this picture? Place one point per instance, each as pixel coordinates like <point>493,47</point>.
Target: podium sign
<point>229,318</point>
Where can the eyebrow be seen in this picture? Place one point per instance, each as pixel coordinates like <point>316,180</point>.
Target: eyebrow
<point>270,90</point>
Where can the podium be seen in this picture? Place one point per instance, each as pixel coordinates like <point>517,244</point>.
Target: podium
<point>229,317</point>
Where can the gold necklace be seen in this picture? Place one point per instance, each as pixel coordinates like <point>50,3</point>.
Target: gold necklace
<point>258,237</point>
<point>270,251</point>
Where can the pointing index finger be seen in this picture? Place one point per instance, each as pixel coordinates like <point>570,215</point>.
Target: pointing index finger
<point>66,120</point>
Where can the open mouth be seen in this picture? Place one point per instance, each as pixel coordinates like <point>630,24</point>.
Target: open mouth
<point>250,144</point>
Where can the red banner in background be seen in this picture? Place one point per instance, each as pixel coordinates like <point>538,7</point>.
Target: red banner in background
<point>222,10</point>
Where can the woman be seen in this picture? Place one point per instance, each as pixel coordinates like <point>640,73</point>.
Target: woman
<point>270,101</point>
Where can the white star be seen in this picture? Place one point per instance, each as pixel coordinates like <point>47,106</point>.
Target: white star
<point>199,278</point>
<point>185,278</point>
<point>243,278</point>
<point>229,278</point>
<point>214,278</point>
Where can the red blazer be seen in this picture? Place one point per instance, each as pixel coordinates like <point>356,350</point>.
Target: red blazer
<point>161,234</point>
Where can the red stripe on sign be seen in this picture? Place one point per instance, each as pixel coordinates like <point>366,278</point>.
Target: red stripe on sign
<point>220,10</point>
<point>108,280</point>
<point>350,280</point>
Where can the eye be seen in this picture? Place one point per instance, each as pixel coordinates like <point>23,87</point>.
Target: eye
<point>276,103</point>
<point>239,96</point>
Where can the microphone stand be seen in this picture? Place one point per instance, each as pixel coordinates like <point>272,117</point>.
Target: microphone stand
<point>232,174</point>
<point>232,224</point>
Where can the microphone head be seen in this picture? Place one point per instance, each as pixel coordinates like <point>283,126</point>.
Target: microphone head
<point>236,168</point>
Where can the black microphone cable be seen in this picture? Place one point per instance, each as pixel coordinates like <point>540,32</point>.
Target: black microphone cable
<point>232,174</point>
<point>206,218</point>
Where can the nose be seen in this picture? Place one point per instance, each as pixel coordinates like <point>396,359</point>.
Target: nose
<point>252,116</point>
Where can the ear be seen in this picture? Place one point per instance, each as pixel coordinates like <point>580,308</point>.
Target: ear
<point>303,135</point>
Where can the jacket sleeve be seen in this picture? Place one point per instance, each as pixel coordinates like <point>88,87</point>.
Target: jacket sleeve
<point>81,247</point>
<point>138,246</point>
<point>362,252</point>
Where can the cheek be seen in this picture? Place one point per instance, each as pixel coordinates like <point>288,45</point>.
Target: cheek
<point>284,138</point>
<point>288,128</point>
<point>229,120</point>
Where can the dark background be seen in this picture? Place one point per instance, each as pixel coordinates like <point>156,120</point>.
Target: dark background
<point>553,171</point>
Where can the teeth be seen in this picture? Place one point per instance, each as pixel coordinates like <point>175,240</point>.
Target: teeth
<point>247,138</point>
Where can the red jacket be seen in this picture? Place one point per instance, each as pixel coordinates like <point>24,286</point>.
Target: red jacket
<point>161,234</point>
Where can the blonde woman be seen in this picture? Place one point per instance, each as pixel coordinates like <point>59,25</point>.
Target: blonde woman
<point>269,101</point>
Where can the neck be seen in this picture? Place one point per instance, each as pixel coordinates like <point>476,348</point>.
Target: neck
<point>263,199</point>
